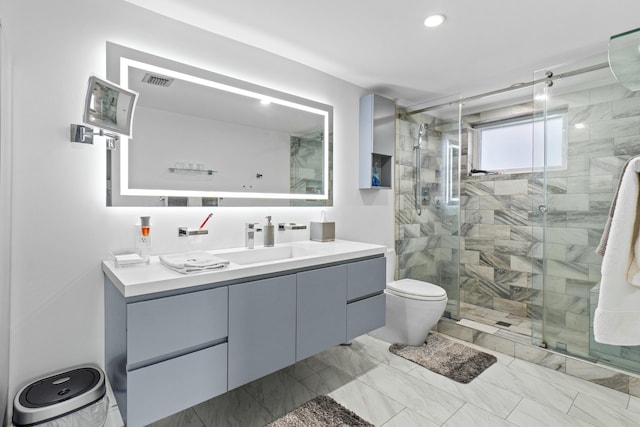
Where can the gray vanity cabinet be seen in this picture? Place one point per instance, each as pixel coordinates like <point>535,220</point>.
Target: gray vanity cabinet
<point>262,328</point>
<point>322,310</point>
<point>165,353</point>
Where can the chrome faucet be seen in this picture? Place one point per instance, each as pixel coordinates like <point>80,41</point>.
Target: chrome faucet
<point>250,230</point>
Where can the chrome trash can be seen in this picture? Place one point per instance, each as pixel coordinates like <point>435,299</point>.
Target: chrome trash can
<point>73,398</point>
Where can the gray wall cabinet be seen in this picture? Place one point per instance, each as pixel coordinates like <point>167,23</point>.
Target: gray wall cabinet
<point>165,353</point>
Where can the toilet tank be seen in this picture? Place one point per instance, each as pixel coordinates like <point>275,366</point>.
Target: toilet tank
<point>391,264</point>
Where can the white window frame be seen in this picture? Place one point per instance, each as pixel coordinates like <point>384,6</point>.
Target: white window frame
<point>475,143</point>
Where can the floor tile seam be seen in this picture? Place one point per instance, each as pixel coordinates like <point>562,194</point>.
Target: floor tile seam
<point>582,419</point>
<point>522,398</point>
<point>549,408</point>
<point>611,405</point>
<point>573,393</point>
<point>382,391</point>
<point>334,366</point>
<point>570,382</point>
<point>520,395</point>
<point>387,397</point>
<point>396,415</point>
<point>534,397</point>
<point>477,379</point>
<point>199,417</point>
<point>455,412</point>
<point>313,393</point>
<point>258,403</point>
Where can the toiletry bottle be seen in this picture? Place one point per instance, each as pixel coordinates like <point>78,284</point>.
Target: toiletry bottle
<point>268,233</point>
<point>375,172</point>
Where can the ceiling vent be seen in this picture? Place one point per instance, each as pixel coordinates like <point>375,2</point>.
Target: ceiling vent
<point>158,80</point>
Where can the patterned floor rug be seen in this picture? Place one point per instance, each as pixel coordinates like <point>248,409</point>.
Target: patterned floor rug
<point>322,411</point>
<point>445,357</point>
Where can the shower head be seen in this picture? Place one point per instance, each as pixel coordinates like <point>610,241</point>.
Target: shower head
<point>421,132</point>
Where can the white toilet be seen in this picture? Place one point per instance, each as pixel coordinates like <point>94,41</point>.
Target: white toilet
<point>413,308</point>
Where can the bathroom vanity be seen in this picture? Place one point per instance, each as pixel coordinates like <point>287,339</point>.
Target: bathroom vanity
<point>173,340</point>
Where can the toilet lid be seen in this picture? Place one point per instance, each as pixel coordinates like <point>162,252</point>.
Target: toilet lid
<point>416,289</point>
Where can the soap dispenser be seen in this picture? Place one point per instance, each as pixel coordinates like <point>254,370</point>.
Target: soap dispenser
<point>268,233</point>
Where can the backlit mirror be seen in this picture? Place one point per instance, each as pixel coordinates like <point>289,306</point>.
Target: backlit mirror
<point>204,139</point>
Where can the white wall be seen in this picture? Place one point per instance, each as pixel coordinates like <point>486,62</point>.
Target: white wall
<point>61,227</point>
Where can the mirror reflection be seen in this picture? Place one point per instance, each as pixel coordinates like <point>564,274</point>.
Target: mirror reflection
<point>203,139</point>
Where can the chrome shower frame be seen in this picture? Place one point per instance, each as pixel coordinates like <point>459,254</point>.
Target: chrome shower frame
<point>418,153</point>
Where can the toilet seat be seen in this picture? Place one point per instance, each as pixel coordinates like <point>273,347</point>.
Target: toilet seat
<point>417,290</point>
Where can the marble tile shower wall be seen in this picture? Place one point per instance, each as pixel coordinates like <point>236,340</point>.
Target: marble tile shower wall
<point>499,252</point>
<point>427,245</point>
<point>502,234</point>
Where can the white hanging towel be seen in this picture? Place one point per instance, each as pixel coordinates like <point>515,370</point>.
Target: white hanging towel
<point>617,317</point>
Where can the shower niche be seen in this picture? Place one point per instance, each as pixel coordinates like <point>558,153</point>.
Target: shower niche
<point>377,136</point>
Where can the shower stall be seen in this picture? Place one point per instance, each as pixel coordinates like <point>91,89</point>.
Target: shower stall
<point>514,195</point>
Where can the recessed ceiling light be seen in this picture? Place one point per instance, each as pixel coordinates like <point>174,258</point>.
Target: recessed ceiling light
<point>434,20</point>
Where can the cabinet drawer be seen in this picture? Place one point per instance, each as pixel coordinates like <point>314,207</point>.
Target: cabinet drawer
<point>365,315</point>
<point>171,324</point>
<point>159,390</point>
<point>366,278</point>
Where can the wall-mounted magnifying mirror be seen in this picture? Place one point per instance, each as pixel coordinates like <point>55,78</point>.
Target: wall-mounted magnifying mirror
<point>204,139</point>
<point>109,106</point>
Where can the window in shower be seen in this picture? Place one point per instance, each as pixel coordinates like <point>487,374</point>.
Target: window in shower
<point>516,146</point>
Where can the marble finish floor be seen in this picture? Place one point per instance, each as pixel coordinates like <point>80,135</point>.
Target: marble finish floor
<point>390,391</point>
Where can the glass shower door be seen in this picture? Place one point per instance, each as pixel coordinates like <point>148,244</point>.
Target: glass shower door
<point>600,133</point>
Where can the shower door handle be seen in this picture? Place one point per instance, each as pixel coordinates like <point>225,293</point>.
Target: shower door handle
<point>543,208</point>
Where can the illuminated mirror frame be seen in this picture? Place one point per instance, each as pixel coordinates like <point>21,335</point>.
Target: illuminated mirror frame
<point>220,82</point>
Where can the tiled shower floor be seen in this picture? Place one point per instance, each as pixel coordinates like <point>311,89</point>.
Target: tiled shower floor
<point>389,391</point>
<point>495,318</point>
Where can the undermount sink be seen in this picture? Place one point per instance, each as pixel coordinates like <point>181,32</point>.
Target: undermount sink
<point>277,253</point>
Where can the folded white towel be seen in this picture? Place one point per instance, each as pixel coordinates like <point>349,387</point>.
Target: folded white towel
<point>617,317</point>
<point>193,262</point>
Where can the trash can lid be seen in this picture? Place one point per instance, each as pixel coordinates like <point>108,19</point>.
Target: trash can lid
<point>58,395</point>
<point>59,388</point>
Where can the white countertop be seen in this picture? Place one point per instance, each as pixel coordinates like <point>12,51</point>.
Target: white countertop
<point>154,277</point>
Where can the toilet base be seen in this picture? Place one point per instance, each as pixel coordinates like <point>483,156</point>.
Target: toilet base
<point>409,321</point>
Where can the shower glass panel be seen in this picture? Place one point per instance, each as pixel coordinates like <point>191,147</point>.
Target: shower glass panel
<point>427,239</point>
<point>602,131</point>
<point>498,261</point>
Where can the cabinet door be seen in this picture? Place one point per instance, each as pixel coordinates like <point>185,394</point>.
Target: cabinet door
<point>262,328</point>
<point>322,310</point>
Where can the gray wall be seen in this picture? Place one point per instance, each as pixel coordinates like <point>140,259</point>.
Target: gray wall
<point>5,225</point>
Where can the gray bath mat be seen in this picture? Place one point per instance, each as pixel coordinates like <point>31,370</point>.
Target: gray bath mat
<point>322,411</point>
<point>445,357</point>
